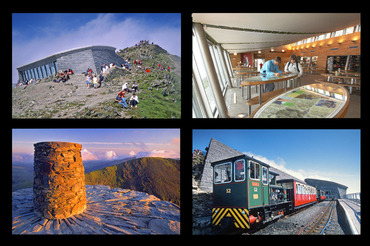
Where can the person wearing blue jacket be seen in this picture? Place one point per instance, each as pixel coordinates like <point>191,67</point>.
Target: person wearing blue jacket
<point>271,68</point>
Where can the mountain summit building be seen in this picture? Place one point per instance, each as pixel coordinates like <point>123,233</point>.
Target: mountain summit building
<point>78,60</point>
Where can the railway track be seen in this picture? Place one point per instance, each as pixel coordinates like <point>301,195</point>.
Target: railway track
<point>320,221</point>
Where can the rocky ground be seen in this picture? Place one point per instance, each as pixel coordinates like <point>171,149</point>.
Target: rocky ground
<point>109,211</point>
<point>159,92</point>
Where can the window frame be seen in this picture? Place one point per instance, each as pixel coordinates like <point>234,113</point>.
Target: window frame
<point>266,180</point>
<point>250,167</point>
<point>231,174</point>
<point>235,170</point>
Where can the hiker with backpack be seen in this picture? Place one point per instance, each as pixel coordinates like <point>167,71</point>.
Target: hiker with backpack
<point>293,66</point>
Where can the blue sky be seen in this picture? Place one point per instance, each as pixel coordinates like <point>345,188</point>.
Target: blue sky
<point>37,35</point>
<point>333,155</point>
<point>100,144</point>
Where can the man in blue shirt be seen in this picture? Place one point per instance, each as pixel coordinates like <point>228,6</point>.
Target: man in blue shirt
<point>271,68</point>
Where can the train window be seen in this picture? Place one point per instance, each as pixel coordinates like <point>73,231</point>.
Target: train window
<point>264,175</point>
<point>239,166</point>
<point>254,172</point>
<point>222,173</point>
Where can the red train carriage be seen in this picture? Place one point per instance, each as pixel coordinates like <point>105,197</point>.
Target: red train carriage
<point>301,194</point>
<point>320,195</point>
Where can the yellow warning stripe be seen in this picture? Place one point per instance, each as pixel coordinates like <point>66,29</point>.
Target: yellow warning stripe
<point>245,215</point>
<point>241,219</point>
<point>219,215</point>
<point>236,217</point>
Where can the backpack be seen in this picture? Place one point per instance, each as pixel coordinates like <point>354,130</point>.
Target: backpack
<point>296,65</point>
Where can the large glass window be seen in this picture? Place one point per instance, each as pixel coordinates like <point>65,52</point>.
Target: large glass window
<point>40,73</point>
<point>201,77</point>
<point>228,63</point>
<point>264,175</point>
<point>201,74</point>
<point>216,63</point>
<point>199,110</point>
<point>254,170</point>
<point>350,30</point>
<point>222,173</point>
<point>338,33</point>
<point>46,70</point>
<point>239,167</point>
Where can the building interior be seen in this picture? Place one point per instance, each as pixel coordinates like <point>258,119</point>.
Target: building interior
<point>328,47</point>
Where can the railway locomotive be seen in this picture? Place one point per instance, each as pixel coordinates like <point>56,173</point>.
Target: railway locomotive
<point>246,193</point>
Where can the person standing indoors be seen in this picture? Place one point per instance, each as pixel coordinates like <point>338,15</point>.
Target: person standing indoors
<point>271,68</point>
<point>293,66</point>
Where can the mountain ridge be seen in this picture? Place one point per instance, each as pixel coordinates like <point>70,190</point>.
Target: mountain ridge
<point>154,175</point>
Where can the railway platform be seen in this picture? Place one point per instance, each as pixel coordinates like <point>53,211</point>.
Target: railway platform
<point>352,212</point>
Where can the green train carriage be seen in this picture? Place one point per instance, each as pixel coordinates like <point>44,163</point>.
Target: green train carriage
<point>245,193</point>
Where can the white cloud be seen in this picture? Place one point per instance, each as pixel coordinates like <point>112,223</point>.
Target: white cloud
<point>281,165</point>
<point>105,155</point>
<point>87,155</point>
<point>110,155</point>
<point>132,153</point>
<point>22,157</point>
<point>164,153</point>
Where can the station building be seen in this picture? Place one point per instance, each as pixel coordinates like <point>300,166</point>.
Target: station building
<point>332,190</point>
<point>78,59</point>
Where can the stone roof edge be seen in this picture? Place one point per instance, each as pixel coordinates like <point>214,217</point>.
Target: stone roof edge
<point>65,52</point>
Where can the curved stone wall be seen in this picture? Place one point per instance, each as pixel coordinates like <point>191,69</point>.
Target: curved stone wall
<point>59,180</point>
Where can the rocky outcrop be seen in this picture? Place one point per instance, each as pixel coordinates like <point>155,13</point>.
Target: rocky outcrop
<point>109,211</point>
<point>59,180</point>
<point>202,212</point>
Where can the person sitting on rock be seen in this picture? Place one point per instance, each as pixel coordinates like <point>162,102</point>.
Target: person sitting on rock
<point>88,71</point>
<point>121,99</point>
<point>134,87</point>
<point>125,87</point>
<point>134,100</point>
<point>65,76</point>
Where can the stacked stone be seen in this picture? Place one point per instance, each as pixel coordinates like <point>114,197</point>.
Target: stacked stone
<point>59,180</point>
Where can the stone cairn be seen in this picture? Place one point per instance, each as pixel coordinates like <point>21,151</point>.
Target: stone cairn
<point>59,180</point>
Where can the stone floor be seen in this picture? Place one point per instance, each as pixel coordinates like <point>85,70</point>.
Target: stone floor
<point>109,211</point>
<point>240,107</point>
